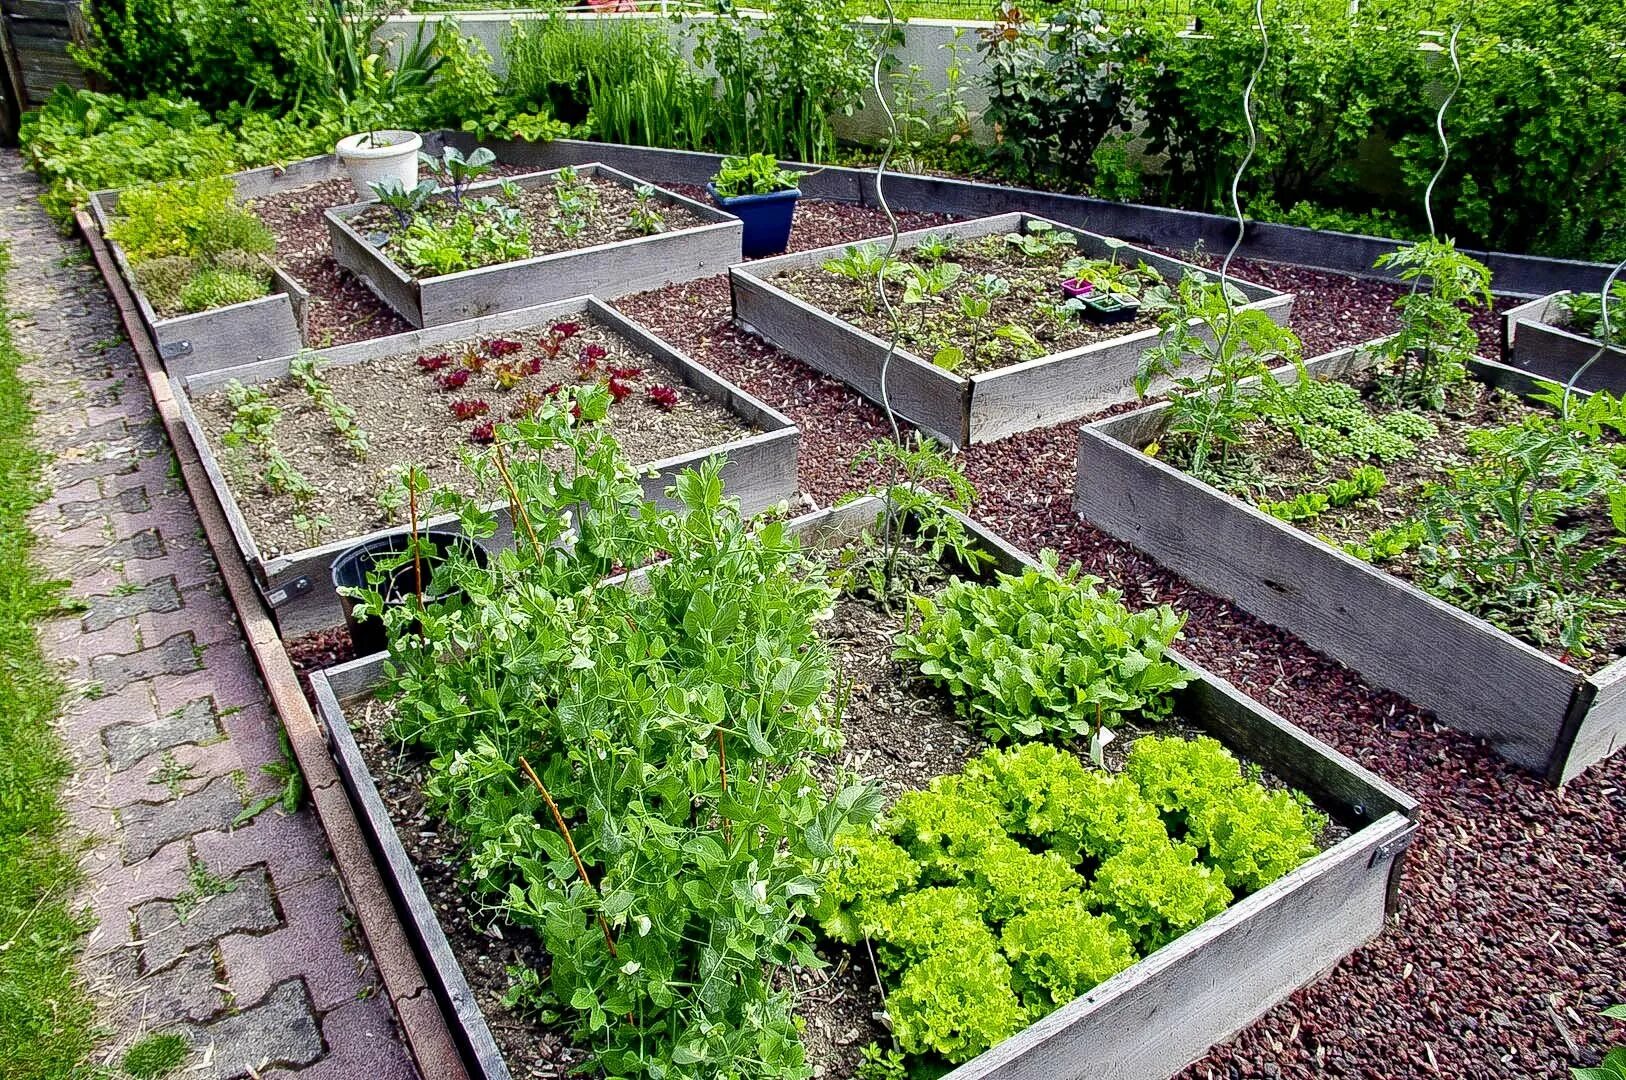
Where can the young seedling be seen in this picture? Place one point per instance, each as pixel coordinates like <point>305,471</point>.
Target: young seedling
<point>459,171</point>
<point>645,218</point>
<point>306,370</point>
<point>404,203</point>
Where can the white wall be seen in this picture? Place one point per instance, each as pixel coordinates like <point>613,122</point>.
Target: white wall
<point>923,42</point>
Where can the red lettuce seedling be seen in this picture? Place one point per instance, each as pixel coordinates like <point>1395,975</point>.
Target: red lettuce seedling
<point>433,363</point>
<point>663,397</point>
<point>565,330</point>
<point>469,408</point>
<point>618,389</point>
<point>533,366</point>
<point>483,432</point>
<point>626,372</point>
<point>454,380</point>
<point>474,359</point>
<point>509,376</point>
<point>497,348</point>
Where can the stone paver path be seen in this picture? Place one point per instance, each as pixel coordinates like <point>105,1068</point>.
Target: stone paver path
<point>237,935</point>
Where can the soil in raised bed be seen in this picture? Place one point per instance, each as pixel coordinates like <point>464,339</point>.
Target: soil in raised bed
<point>937,323</point>
<point>1280,468</point>
<point>409,421</point>
<point>607,218</point>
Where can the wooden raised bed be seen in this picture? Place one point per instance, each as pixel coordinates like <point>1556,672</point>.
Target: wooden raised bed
<point>272,325</point>
<point>1147,1022</point>
<point>957,408</point>
<point>606,270</point>
<point>1535,711</point>
<point>760,469</point>
<point>1534,340</point>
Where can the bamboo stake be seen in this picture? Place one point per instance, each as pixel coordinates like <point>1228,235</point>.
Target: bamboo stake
<point>564,830</point>
<point>514,500</point>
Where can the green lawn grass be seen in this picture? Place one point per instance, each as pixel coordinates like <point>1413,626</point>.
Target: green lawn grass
<point>46,1029</point>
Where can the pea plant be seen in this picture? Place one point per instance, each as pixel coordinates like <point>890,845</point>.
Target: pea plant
<point>646,219</point>
<point>630,765</point>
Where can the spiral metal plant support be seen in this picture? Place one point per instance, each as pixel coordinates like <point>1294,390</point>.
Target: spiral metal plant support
<point>886,263</point>
<point>1241,221</point>
<point>1439,129</point>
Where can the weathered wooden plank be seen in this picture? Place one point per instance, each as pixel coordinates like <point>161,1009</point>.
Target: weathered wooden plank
<point>1475,677</point>
<point>1168,1009</point>
<point>45,10</point>
<point>1599,712</point>
<point>442,973</point>
<point>931,398</point>
<point>616,269</point>
<point>758,469</point>
<point>987,406</point>
<point>1533,342</point>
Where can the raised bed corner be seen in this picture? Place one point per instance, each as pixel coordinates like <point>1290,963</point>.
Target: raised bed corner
<point>272,325</point>
<point>606,270</point>
<point>1534,340</point>
<point>759,469</point>
<point>1535,711</point>
<point>955,408</point>
<point>1145,1023</point>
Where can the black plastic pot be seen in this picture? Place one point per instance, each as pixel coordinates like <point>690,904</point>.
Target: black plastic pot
<point>1106,308</point>
<point>355,567</point>
<point>767,219</point>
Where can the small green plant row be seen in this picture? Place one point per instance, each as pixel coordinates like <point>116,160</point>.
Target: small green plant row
<point>1005,891</point>
<point>1584,312</point>
<point>440,230</point>
<point>1363,482</point>
<point>191,246</point>
<point>955,310</point>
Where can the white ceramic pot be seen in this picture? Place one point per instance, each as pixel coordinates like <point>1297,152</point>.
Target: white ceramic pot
<point>379,157</point>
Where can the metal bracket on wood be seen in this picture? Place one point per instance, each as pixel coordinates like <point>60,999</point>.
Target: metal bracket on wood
<point>1392,846</point>
<point>174,350</point>
<point>288,590</point>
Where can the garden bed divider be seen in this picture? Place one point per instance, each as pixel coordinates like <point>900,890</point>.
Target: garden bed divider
<point>961,409</point>
<point>1535,711</point>
<point>607,270</point>
<point>1532,341</point>
<point>270,325</point>
<point>759,470</point>
<point>1147,1022</point>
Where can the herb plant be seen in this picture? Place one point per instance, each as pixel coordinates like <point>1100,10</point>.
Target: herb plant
<point>1045,654</point>
<point>752,174</point>
<point>191,246</point>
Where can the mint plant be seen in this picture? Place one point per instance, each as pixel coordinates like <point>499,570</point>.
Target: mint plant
<point>665,837</point>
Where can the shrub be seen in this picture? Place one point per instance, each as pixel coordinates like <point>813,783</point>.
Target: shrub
<point>1045,654</point>
<point>219,288</point>
<point>1056,954</point>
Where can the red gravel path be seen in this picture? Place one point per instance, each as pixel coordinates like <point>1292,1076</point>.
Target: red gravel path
<point>1509,938</point>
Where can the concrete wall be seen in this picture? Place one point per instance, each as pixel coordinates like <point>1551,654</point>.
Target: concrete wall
<point>923,42</point>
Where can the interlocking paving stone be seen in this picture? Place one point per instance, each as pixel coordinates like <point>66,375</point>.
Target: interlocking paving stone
<point>194,722</point>
<point>176,655</point>
<point>149,826</point>
<point>286,998</point>
<point>169,929</point>
<point>132,501</point>
<point>191,990</point>
<point>104,611</point>
<point>281,1030</point>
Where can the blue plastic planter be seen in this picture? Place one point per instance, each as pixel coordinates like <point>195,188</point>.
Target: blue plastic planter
<point>766,219</point>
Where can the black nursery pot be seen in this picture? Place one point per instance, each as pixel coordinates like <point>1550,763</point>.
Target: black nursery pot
<point>766,219</point>
<point>355,566</point>
<point>1110,309</point>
